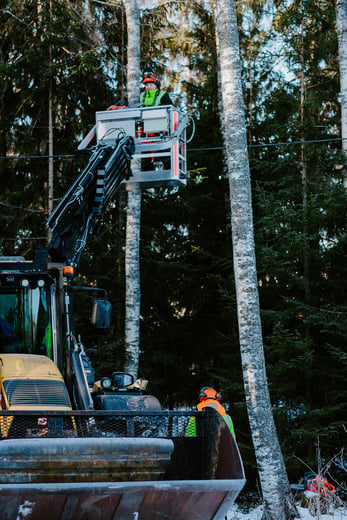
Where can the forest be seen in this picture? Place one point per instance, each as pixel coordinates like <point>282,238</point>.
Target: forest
<point>63,61</point>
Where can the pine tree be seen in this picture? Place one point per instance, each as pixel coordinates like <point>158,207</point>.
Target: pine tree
<point>43,52</point>
<point>300,229</point>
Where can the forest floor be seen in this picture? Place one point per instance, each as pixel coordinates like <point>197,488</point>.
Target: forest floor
<point>335,513</point>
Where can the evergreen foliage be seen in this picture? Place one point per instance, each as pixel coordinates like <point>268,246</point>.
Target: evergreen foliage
<point>44,50</point>
<point>189,334</point>
<point>299,237</point>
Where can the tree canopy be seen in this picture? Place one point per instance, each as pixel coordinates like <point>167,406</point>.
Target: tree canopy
<point>189,331</point>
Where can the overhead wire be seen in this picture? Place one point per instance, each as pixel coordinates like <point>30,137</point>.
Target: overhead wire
<point>266,145</point>
<point>200,149</point>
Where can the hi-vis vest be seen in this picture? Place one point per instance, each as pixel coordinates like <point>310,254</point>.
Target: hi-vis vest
<point>213,403</point>
<point>151,98</point>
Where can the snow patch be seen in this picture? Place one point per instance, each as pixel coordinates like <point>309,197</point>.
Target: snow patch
<point>235,514</point>
<point>25,510</point>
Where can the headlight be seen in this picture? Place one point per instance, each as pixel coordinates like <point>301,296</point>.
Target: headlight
<point>105,383</point>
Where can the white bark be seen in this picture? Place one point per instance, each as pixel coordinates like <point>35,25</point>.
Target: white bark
<point>272,473</point>
<point>133,50</point>
<point>132,246</point>
<point>341,25</point>
<point>50,153</point>
<point>132,275</point>
<point>50,131</point>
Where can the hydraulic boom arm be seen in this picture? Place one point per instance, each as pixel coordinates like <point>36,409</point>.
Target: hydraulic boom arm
<point>77,213</point>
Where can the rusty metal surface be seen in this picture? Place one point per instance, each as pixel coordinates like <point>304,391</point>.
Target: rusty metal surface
<point>83,460</point>
<point>188,500</point>
<point>222,453</point>
<point>123,478</point>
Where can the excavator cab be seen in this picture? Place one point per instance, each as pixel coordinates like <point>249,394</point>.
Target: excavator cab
<point>26,317</point>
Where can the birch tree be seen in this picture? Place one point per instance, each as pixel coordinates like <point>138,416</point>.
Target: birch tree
<point>341,24</point>
<point>272,472</point>
<point>132,245</point>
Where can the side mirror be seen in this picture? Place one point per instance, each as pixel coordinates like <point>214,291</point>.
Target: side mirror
<point>121,379</point>
<point>101,315</point>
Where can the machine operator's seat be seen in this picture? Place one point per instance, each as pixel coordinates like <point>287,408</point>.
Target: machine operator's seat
<point>8,340</point>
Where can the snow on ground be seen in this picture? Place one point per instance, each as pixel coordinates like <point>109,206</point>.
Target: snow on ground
<point>255,514</point>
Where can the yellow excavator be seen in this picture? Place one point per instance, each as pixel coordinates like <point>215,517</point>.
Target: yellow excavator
<point>72,447</point>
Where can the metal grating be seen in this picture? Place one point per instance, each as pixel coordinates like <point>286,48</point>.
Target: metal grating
<point>36,392</point>
<point>98,424</point>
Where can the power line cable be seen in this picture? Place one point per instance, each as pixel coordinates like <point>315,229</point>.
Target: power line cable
<point>266,145</point>
<point>17,157</point>
<point>201,149</point>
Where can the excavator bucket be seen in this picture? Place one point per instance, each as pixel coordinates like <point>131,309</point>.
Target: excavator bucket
<point>119,466</point>
<point>118,501</point>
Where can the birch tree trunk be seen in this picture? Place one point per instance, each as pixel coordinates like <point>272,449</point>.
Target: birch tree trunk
<point>341,25</point>
<point>50,152</point>
<point>50,129</point>
<point>132,245</point>
<point>272,472</point>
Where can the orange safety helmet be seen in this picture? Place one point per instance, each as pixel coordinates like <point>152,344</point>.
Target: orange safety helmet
<point>149,77</point>
<point>209,393</point>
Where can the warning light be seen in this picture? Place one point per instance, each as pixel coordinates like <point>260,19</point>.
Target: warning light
<point>68,270</point>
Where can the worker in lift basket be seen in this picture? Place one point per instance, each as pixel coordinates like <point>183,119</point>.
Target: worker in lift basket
<point>209,397</point>
<point>152,95</point>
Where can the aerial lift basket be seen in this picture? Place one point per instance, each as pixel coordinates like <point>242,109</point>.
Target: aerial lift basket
<point>160,142</point>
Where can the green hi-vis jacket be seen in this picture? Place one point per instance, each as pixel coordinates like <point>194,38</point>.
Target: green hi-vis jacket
<point>153,98</point>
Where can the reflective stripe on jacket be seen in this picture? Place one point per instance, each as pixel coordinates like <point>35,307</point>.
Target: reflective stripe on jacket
<point>152,98</point>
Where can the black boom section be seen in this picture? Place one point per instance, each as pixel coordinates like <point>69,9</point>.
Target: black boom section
<point>77,213</point>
